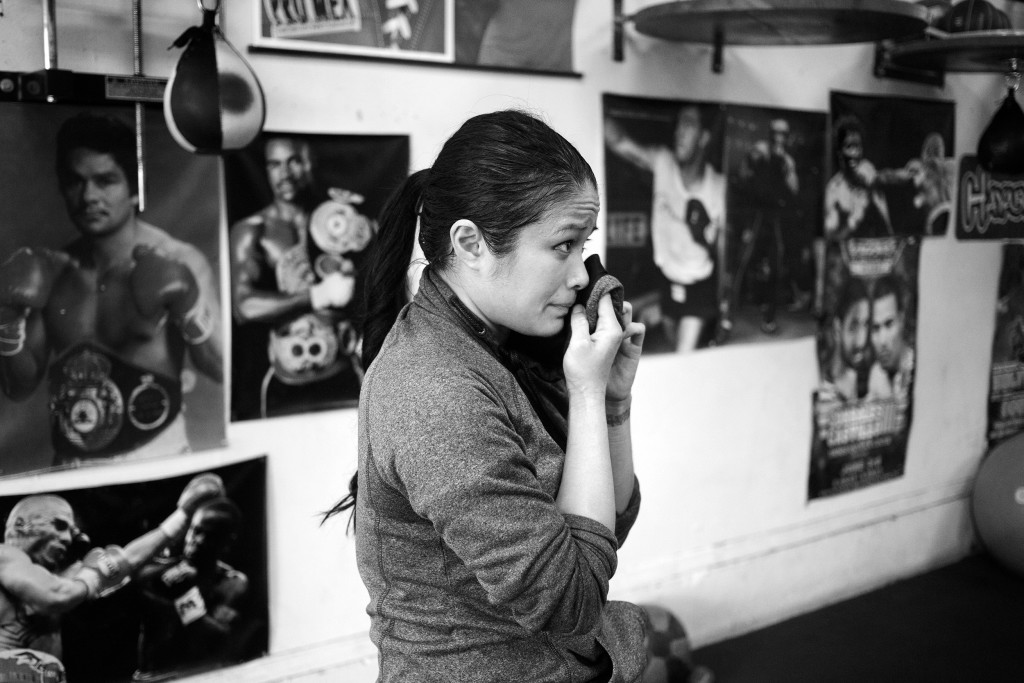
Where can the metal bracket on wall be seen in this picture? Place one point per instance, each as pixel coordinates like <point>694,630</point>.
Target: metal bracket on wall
<point>885,67</point>
<point>619,21</point>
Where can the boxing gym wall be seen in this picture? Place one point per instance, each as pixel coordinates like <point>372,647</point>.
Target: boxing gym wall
<point>727,537</point>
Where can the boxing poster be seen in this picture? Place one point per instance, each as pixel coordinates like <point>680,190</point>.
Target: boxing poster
<point>775,160</point>
<point>1006,389</point>
<point>991,205</point>
<point>527,35</point>
<point>302,213</point>
<point>666,211</point>
<point>110,323</point>
<point>866,343</point>
<point>891,172</point>
<point>407,29</point>
<point>164,577</point>
<point>517,35</point>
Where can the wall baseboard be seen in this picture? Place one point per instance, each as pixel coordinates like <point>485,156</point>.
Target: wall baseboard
<point>735,587</point>
<point>748,583</point>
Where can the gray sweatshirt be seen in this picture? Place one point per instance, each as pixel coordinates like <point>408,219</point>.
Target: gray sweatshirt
<point>473,572</point>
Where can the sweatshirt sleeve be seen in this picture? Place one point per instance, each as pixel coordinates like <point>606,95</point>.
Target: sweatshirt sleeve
<point>625,519</point>
<point>466,470</point>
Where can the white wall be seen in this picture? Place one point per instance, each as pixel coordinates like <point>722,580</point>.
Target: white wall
<point>722,438</point>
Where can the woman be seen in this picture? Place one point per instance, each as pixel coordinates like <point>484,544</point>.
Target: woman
<point>487,521</point>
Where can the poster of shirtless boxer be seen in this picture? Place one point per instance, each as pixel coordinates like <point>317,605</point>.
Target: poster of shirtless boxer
<point>110,323</point>
<point>891,169</point>
<point>302,213</point>
<point>149,580</point>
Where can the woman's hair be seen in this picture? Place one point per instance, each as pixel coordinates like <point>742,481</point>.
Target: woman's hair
<point>501,170</point>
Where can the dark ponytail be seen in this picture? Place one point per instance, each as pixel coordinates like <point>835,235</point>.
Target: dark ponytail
<point>502,170</point>
<point>384,290</point>
<point>387,264</point>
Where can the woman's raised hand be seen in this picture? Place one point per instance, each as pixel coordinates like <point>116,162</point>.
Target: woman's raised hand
<point>589,358</point>
<point>623,370</point>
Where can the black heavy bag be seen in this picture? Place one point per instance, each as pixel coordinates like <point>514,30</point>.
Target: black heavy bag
<point>1001,147</point>
<point>213,101</point>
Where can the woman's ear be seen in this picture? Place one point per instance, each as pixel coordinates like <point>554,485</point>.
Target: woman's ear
<point>468,243</point>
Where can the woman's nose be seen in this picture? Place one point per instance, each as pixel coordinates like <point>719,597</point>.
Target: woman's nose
<point>578,279</point>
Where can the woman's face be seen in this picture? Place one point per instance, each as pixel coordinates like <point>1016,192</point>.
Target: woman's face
<point>532,289</point>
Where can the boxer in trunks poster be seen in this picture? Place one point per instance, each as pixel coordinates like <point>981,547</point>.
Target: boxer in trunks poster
<point>302,212</point>
<point>666,208</point>
<point>110,342</point>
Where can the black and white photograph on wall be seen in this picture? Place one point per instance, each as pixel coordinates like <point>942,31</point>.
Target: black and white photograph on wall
<point>666,209</point>
<point>1006,390</point>
<point>990,205</point>
<point>517,35</point>
<point>420,30</point>
<point>531,35</point>
<point>302,212</point>
<point>891,173</point>
<point>866,344</point>
<point>775,160</point>
<point>110,324</point>
<point>143,581</point>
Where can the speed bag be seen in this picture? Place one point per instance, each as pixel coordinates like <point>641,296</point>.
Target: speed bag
<point>213,100</point>
<point>1001,146</point>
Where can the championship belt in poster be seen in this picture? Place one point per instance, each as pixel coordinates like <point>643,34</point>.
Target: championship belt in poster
<point>866,351</point>
<point>338,228</point>
<point>305,350</point>
<point>100,404</point>
<point>315,346</point>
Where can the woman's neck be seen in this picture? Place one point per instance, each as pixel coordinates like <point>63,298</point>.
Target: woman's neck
<point>463,290</point>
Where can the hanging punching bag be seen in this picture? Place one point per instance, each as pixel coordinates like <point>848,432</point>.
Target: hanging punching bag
<point>213,101</point>
<point>1001,147</point>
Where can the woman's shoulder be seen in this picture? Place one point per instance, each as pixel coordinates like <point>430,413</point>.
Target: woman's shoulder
<point>432,354</point>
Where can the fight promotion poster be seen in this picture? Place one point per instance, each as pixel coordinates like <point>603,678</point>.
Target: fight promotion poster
<point>666,212</point>
<point>775,160</point>
<point>302,212</point>
<point>991,205</point>
<point>891,171</point>
<point>388,29</point>
<point>522,35</point>
<point>866,354</point>
<point>185,587</point>
<point>1006,391</point>
<point>110,325</point>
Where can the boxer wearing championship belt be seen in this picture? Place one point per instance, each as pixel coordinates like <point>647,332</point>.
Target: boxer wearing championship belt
<point>294,267</point>
<point>122,309</point>
<point>102,405</point>
<point>41,578</point>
